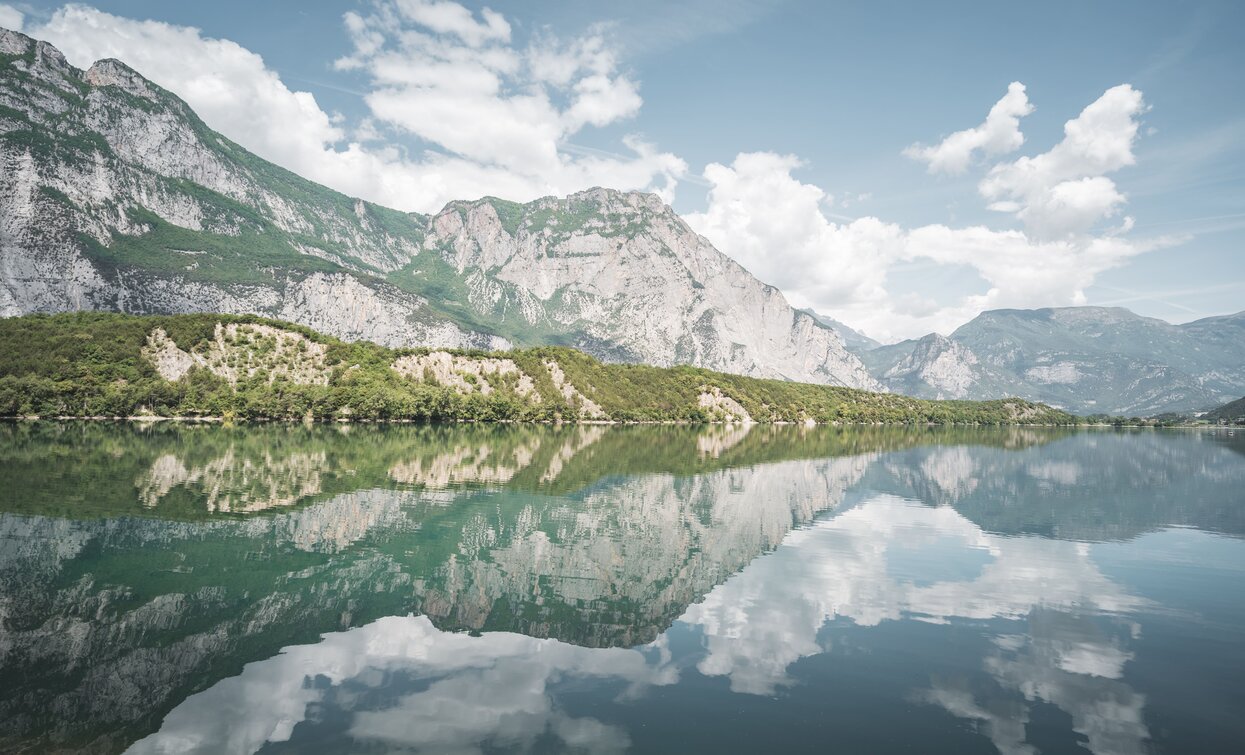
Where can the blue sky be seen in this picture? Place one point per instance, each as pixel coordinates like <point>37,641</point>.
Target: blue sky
<point>778,128</point>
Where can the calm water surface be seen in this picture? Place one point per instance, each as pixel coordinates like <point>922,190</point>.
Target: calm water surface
<point>335,589</point>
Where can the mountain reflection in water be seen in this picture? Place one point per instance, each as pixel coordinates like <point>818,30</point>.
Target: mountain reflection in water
<point>180,589</point>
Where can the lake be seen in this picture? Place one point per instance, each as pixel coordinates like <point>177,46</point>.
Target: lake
<point>362,588</point>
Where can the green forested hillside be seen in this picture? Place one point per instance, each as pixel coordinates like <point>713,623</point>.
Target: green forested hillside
<point>101,364</point>
<point>1230,411</point>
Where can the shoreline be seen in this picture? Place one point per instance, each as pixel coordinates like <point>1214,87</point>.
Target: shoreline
<point>218,420</point>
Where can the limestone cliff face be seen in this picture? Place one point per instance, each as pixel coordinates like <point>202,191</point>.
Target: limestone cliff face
<point>938,363</point>
<point>630,280</point>
<point>114,195</point>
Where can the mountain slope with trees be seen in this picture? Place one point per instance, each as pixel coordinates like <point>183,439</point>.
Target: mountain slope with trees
<point>103,364</point>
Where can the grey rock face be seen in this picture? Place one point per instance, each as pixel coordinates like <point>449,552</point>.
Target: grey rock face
<point>856,342</point>
<point>1083,359</point>
<point>934,365</point>
<point>114,195</point>
<point>626,278</point>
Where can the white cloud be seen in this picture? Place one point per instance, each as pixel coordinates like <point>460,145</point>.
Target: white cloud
<point>489,102</point>
<point>493,689</point>
<point>452,18</point>
<point>778,227</point>
<point>774,226</point>
<point>10,17</point>
<point>1064,191</point>
<point>997,135</point>
<point>494,117</point>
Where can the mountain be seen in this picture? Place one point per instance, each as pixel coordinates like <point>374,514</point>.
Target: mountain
<point>114,195</point>
<point>855,341</point>
<point>1231,411</point>
<point>1083,359</point>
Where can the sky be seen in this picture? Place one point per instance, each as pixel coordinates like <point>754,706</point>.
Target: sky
<point>899,166</point>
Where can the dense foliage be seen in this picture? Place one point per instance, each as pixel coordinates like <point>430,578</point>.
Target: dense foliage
<point>1232,412</point>
<point>92,364</point>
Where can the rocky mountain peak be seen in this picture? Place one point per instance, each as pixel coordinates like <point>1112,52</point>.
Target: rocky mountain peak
<point>112,72</point>
<point>621,268</point>
<point>14,43</point>
<point>945,366</point>
<point>36,58</point>
<point>616,198</point>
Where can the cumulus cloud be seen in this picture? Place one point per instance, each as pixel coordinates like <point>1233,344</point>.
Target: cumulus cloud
<point>493,689</point>
<point>478,97</point>
<point>491,116</point>
<point>1064,191</point>
<point>997,135</point>
<point>777,226</point>
<point>10,17</point>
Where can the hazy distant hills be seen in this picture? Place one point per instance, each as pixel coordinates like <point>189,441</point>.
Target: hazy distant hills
<point>1083,359</point>
<point>114,195</point>
<point>855,341</point>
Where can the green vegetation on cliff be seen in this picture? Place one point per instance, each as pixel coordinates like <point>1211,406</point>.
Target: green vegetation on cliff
<point>101,364</point>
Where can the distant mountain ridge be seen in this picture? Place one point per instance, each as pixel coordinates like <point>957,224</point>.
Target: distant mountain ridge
<point>1082,359</point>
<point>114,195</point>
<point>855,341</point>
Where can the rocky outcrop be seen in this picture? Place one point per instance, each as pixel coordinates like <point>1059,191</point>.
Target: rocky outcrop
<point>935,366</point>
<point>466,375</point>
<point>243,350</point>
<point>574,398</point>
<point>721,407</point>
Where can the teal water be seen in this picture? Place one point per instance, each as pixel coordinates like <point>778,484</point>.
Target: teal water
<point>480,589</point>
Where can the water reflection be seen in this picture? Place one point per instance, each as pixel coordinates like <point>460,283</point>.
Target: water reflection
<point>768,616</point>
<point>763,620</point>
<point>1064,643</point>
<point>232,484</point>
<point>492,689</point>
<point>613,579</point>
